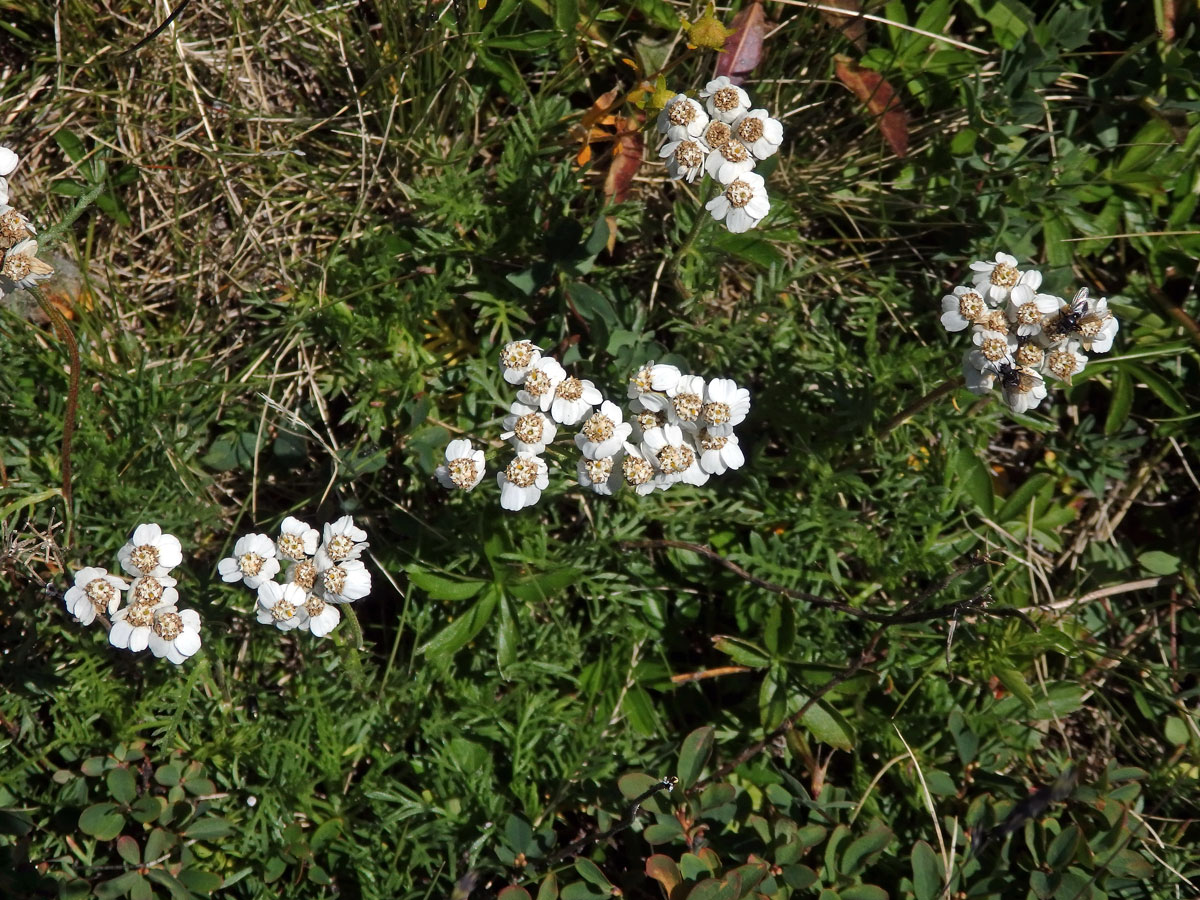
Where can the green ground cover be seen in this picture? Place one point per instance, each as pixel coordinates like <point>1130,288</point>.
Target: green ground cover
<point>918,645</point>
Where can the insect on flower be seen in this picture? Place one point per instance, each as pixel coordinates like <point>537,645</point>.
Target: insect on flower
<point>1068,320</point>
<point>1019,384</point>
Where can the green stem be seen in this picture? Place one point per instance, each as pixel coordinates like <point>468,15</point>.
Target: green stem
<point>355,628</point>
<point>64,333</point>
<point>54,233</point>
<point>685,248</point>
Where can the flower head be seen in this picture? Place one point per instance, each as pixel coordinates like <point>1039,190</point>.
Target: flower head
<point>529,429</point>
<point>761,134</point>
<point>682,119</point>
<point>282,605</point>
<point>297,540</point>
<point>133,625</point>
<point>687,399</point>
<point>1064,360</point>
<point>22,268</point>
<point>685,159</point>
<point>253,561</point>
<point>1028,310</point>
<point>743,203</point>
<point>574,399</point>
<point>8,161</point>
<point>725,405</point>
<point>464,466</point>
<point>150,551</point>
<point>543,377</point>
<point>729,161</point>
<point>672,456</point>
<point>342,581</point>
<point>14,227</point>
<point>964,307</point>
<point>602,475</point>
<point>997,278</point>
<point>604,432</point>
<point>174,633</point>
<point>522,481</point>
<point>516,359</point>
<point>725,100</point>
<point>719,453</point>
<point>322,617</point>
<point>637,470</point>
<point>343,540</point>
<point>95,593</point>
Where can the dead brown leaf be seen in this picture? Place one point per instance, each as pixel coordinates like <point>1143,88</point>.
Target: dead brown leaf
<point>852,25</point>
<point>879,96</point>
<point>744,48</point>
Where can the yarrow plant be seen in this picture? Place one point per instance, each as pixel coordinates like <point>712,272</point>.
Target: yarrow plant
<point>19,264</point>
<point>151,619</point>
<point>679,429</point>
<point>1020,335</point>
<point>723,139</point>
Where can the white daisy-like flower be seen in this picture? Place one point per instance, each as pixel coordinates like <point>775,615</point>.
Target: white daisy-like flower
<point>529,429</point>
<point>516,359</point>
<point>522,481</point>
<point>543,377</point>
<point>297,540</point>
<point>175,633</point>
<point>998,277</point>
<point>604,432</point>
<point>602,475</point>
<point>682,118</point>
<point>1030,310</point>
<point>672,455</point>
<point>464,466</point>
<point>14,227</point>
<point>637,471</point>
<point>153,591</point>
<point>574,400</point>
<point>687,399</point>
<point>761,134</point>
<point>650,383</point>
<point>643,420</point>
<point>728,162</point>
<point>150,551</point>
<point>303,574</point>
<point>1064,360</point>
<point>725,405</point>
<point>132,626</point>
<point>343,540</point>
<point>725,100</point>
<point>719,452</point>
<point>743,203</point>
<point>322,617</point>
<point>1023,388</point>
<point>9,161</point>
<point>978,381</point>
<point>965,307</point>
<point>22,268</point>
<point>282,605</point>
<point>991,347</point>
<point>342,581</point>
<point>1030,352</point>
<point>253,561</point>
<point>1086,319</point>
<point>716,135</point>
<point>95,593</point>
<point>685,159</point>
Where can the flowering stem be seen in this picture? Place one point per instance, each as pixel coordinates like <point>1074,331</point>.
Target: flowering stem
<point>52,235</point>
<point>688,242</point>
<point>64,333</point>
<point>355,628</point>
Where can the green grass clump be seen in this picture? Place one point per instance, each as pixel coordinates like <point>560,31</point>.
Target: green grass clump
<point>910,649</point>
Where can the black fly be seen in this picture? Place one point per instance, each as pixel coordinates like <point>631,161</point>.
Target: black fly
<point>1070,318</point>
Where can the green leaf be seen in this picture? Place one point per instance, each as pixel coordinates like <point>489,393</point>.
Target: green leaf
<point>70,144</point>
<point>1015,683</point>
<point>439,588</point>
<point>633,784</point>
<point>122,786</point>
<point>1063,848</point>
<point>208,828</point>
<point>741,651</point>
<point>538,588</point>
<point>518,833</point>
<point>1120,404</point>
<point>663,832</point>
<point>1156,562</point>
<point>459,633</point>
<point>859,854</point>
<point>147,808</point>
<point>1176,731</point>
<point>178,888</point>
<point>118,887</point>
<point>514,892</point>
<point>159,844</point>
<point>101,821</point>
<point>1016,506</point>
<point>592,305</point>
<point>692,867</point>
<point>693,755</point>
<point>548,890</point>
<point>507,638</point>
<point>128,850</point>
<point>973,479</point>
<point>799,877</point>
<point>928,871</point>
<point>1159,386</point>
<point>779,630</point>
<point>863,892</point>
<point>639,709</point>
<point>828,726</point>
<point>531,40</point>
<point>590,872</point>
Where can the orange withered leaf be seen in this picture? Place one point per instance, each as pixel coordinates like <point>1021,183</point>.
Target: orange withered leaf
<point>881,100</point>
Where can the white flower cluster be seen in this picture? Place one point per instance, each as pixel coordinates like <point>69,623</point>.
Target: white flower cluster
<point>680,429</point>
<point>152,618</point>
<point>20,267</point>
<point>722,139</point>
<point>318,578</point>
<point>1020,335</point>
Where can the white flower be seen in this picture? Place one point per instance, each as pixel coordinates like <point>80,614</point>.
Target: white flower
<point>528,428</point>
<point>603,433</point>
<point>1030,352</point>
<point>464,466</point>
<point>542,378</point>
<point>14,227</point>
<point>637,470</point>
<point>978,381</point>
<point>719,453</point>
<point>9,160</point>
<point>997,278</point>
<point>522,481</point>
<point>303,574</point>
<point>153,591</point>
<point>175,633</point>
<point>344,540</point>
<point>516,359</point>
<point>992,347</point>
<point>1023,388</point>
<point>682,118</point>
<point>1064,360</point>
<point>131,626</point>
<point>574,399</point>
<point>1029,310</point>
<point>253,561</point>
<point>686,159</point>
<point>1088,320</point>
<point>150,551</point>
<point>761,134</point>
<point>726,101</point>
<point>342,581</point>
<point>322,617</point>
<point>602,475</point>
<point>674,458</point>
<point>966,306</point>
<point>297,540</point>
<point>95,592</point>
<point>22,268</point>
<point>728,162</point>
<point>282,605</point>
<point>725,405</point>
<point>687,399</point>
<point>743,204</point>
<point>643,420</point>
<point>716,135</point>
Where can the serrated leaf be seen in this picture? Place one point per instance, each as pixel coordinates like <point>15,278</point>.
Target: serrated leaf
<point>693,755</point>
